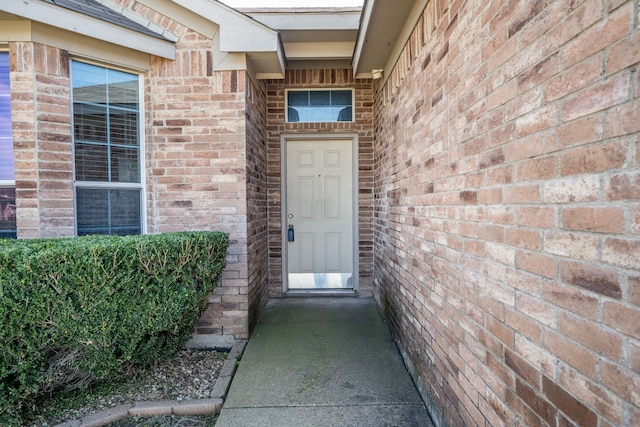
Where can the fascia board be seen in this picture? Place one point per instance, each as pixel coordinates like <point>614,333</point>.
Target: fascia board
<point>309,20</point>
<point>365,19</point>
<point>140,20</point>
<point>225,61</point>
<point>86,47</point>
<point>261,64</point>
<point>182,15</point>
<point>213,11</point>
<point>282,59</point>
<point>238,39</point>
<point>78,23</point>
<point>77,46</point>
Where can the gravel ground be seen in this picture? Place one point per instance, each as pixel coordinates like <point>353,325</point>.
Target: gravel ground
<point>191,375</point>
<point>165,421</point>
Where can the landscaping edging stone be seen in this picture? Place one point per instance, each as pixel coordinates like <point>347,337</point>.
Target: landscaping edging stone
<point>210,406</point>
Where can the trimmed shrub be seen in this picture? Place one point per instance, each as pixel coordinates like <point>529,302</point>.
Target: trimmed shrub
<point>74,311</point>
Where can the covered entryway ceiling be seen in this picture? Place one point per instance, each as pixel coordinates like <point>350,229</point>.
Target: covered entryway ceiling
<point>313,37</point>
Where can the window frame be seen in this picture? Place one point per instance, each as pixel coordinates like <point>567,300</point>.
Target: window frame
<point>319,89</point>
<point>101,185</point>
<point>9,183</point>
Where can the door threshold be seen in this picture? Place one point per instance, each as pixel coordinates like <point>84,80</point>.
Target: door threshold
<point>320,293</point>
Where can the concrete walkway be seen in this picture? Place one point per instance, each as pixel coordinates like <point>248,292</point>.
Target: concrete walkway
<point>322,362</point>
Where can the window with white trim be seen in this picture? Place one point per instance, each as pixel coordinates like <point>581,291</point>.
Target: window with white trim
<point>319,105</point>
<point>7,174</point>
<point>107,150</point>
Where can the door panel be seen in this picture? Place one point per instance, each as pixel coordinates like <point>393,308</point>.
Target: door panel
<point>333,248</point>
<point>332,197</point>
<point>306,253</point>
<point>320,208</point>
<point>306,197</point>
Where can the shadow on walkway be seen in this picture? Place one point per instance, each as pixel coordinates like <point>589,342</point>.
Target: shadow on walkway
<point>322,362</point>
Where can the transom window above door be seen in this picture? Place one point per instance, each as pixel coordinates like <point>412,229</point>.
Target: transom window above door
<point>319,105</point>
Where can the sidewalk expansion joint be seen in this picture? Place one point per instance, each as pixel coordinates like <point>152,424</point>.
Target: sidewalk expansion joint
<point>331,405</point>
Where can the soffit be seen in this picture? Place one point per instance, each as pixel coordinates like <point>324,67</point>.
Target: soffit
<point>4,16</point>
<point>384,28</point>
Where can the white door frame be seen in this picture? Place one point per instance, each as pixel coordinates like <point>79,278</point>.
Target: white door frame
<point>283,197</point>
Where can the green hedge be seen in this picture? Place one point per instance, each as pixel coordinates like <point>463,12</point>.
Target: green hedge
<point>74,311</point>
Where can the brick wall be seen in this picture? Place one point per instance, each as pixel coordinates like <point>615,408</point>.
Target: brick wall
<point>363,127</point>
<point>507,236</point>
<point>41,116</point>
<point>257,229</point>
<point>196,148</point>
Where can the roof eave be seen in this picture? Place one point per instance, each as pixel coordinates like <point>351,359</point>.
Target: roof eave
<point>385,27</point>
<point>239,33</point>
<point>79,23</point>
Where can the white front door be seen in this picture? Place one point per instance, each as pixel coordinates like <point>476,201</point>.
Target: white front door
<point>319,217</point>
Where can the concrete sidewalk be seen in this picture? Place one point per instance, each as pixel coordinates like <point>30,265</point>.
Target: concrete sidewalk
<point>322,362</point>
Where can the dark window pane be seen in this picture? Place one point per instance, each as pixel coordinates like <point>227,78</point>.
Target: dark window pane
<point>106,211</point>
<point>341,98</point>
<point>319,98</point>
<point>91,163</point>
<point>124,165</point>
<point>92,211</point>
<point>298,98</point>
<point>8,213</point>
<point>293,115</point>
<point>125,212</point>
<point>345,114</point>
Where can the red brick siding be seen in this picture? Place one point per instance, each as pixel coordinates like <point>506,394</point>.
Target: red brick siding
<point>41,120</point>
<point>209,168</point>
<point>196,148</point>
<point>257,225</point>
<point>363,127</point>
<point>506,219</point>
